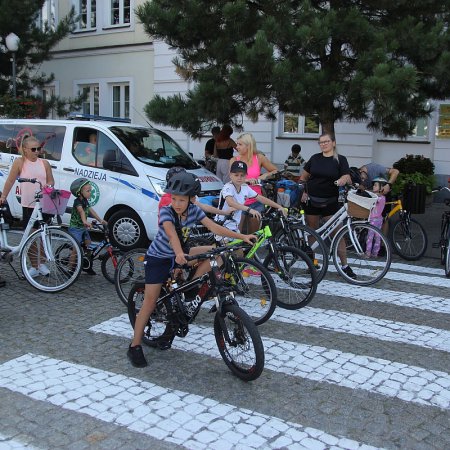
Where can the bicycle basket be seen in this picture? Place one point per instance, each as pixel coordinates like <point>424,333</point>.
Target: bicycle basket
<point>359,206</point>
<point>54,201</point>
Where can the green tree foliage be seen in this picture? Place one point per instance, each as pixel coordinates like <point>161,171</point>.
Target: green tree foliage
<point>21,17</point>
<point>377,61</point>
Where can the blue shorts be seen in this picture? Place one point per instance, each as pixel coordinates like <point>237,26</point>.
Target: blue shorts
<point>79,234</point>
<point>157,270</point>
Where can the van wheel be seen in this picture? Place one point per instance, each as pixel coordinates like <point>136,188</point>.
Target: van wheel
<point>127,230</point>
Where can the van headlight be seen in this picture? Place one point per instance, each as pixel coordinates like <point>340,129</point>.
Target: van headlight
<point>158,185</point>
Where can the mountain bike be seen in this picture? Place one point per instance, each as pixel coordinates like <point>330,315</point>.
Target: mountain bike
<point>293,269</point>
<point>408,238</point>
<point>236,335</point>
<point>43,265</point>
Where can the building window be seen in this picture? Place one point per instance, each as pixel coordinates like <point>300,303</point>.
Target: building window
<point>91,102</point>
<point>443,127</point>
<point>121,100</point>
<point>295,124</point>
<point>88,14</point>
<point>47,16</point>
<point>120,12</point>
<point>421,128</point>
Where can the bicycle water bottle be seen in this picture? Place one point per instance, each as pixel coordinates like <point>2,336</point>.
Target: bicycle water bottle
<point>341,198</point>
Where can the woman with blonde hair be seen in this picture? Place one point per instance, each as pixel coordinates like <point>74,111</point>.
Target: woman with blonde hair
<point>29,165</point>
<point>256,161</point>
<point>223,151</point>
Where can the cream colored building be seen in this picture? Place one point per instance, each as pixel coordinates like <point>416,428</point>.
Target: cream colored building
<point>110,57</point>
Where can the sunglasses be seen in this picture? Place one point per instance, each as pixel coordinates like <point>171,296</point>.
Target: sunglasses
<point>34,149</point>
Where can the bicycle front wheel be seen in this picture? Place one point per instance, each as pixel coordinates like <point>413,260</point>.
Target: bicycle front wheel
<point>254,288</point>
<point>239,342</point>
<point>409,239</point>
<point>447,259</point>
<point>51,259</point>
<point>295,276</point>
<point>130,270</point>
<point>309,241</point>
<point>109,264</point>
<point>368,260</point>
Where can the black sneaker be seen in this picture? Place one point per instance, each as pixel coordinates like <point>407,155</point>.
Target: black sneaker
<point>349,272</point>
<point>136,356</point>
<point>91,272</point>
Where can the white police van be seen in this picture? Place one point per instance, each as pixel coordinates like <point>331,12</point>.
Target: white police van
<point>125,163</point>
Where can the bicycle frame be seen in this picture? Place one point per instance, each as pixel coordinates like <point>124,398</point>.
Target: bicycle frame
<point>35,216</point>
<point>398,207</point>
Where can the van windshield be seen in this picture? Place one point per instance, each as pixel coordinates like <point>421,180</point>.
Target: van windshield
<point>153,147</point>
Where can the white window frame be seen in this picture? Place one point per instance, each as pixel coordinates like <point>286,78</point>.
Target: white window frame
<point>105,93</point>
<point>54,90</point>
<point>91,98</point>
<point>109,13</point>
<point>77,4</point>
<point>122,99</point>
<point>300,127</point>
<point>49,14</point>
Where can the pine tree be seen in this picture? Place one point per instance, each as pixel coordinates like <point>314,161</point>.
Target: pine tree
<point>20,17</point>
<point>377,61</point>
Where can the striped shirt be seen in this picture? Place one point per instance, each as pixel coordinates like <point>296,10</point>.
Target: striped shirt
<point>160,247</point>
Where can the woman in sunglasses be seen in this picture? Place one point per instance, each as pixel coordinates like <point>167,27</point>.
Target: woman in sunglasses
<point>28,166</point>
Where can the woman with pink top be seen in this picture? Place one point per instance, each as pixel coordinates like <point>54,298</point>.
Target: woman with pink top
<point>29,165</point>
<point>256,161</point>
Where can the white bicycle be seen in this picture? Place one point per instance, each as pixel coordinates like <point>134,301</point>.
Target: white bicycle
<point>50,258</point>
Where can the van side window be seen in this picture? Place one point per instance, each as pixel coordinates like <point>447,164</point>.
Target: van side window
<point>7,141</point>
<point>50,138</point>
<point>85,146</point>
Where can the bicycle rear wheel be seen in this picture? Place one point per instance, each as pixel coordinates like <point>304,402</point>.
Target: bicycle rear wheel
<point>239,342</point>
<point>409,239</point>
<point>156,325</point>
<point>367,268</point>
<point>253,286</point>
<point>60,254</point>
<point>295,276</point>
<point>130,270</point>
<point>309,241</point>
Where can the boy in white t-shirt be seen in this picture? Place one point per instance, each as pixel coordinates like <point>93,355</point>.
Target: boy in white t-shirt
<point>234,193</point>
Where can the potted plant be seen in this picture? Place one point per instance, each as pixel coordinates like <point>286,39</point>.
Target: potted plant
<point>416,171</point>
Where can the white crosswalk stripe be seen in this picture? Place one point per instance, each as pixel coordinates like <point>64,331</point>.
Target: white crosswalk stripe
<point>174,416</point>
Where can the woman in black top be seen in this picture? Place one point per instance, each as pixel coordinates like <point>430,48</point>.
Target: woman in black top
<point>323,173</point>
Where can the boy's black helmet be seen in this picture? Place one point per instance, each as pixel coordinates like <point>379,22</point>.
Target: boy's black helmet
<point>77,184</point>
<point>183,183</point>
<point>174,170</point>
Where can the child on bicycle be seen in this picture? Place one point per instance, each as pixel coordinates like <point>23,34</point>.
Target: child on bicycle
<point>235,193</point>
<point>175,222</point>
<point>78,226</point>
<point>376,218</point>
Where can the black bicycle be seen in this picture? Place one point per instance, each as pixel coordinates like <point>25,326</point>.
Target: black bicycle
<point>236,335</point>
<point>109,258</point>
<point>444,241</point>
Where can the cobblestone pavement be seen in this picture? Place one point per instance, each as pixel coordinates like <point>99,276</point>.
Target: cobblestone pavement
<point>361,367</point>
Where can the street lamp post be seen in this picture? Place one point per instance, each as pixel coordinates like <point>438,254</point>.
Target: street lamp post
<point>12,44</point>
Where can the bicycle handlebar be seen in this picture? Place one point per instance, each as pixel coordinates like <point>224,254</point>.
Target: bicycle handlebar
<point>29,180</point>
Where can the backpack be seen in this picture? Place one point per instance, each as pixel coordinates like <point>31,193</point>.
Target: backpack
<point>288,193</point>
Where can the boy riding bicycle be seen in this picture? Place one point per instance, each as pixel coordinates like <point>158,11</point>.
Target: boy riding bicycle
<point>175,222</point>
<point>78,226</point>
